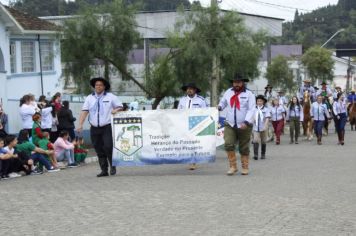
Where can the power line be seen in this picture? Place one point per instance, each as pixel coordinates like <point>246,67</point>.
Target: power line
<point>278,5</point>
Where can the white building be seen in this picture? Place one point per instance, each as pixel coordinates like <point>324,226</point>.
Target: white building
<point>23,39</point>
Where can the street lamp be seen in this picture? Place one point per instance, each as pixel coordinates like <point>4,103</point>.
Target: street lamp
<point>337,32</point>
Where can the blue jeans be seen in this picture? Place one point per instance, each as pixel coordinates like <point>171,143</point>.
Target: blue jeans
<point>66,154</point>
<point>37,157</point>
<point>340,123</point>
<point>318,127</point>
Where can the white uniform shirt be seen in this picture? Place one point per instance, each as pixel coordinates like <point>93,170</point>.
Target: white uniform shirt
<point>194,102</point>
<point>303,89</point>
<point>100,107</point>
<point>235,116</point>
<point>318,111</point>
<point>295,111</point>
<point>277,112</point>
<point>46,121</point>
<point>260,117</point>
<point>339,107</point>
<point>26,113</point>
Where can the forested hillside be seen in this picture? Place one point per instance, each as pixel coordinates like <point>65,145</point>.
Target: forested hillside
<point>62,7</point>
<point>318,26</point>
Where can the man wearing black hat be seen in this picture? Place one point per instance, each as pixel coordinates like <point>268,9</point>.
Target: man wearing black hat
<point>269,94</point>
<point>99,106</point>
<point>191,100</point>
<point>240,104</point>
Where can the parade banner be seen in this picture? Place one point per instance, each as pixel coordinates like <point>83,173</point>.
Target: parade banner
<point>164,136</point>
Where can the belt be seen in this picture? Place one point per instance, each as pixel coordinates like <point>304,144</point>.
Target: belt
<point>98,127</point>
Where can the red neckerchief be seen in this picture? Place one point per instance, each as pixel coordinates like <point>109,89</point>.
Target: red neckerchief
<point>234,100</point>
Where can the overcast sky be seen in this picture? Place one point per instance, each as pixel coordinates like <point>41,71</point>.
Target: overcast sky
<point>275,8</point>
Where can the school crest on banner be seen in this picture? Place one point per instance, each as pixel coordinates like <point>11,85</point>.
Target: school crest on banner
<point>128,135</point>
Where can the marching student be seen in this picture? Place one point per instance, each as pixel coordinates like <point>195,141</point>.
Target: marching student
<point>339,109</point>
<point>240,104</point>
<point>318,112</point>
<point>190,101</point>
<point>100,105</point>
<point>260,126</point>
<point>278,114</point>
<point>295,116</point>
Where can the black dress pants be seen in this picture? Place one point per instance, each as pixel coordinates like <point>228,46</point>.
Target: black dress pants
<point>101,138</point>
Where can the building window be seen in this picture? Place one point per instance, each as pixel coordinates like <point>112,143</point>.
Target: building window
<point>47,56</point>
<point>13,57</point>
<point>28,56</point>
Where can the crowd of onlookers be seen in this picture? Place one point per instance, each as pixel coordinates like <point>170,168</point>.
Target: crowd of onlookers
<point>47,141</point>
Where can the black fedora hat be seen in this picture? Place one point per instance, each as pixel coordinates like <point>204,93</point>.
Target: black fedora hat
<point>105,82</point>
<point>239,77</point>
<point>191,85</point>
<point>324,83</point>
<point>261,97</point>
<point>268,86</point>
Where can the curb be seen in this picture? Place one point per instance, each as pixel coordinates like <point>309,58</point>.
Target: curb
<point>91,159</point>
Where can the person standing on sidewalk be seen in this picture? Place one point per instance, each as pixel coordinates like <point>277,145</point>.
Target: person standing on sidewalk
<point>294,117</point>
<point>240,105</point>
<point>318,112</point>
<point>99,106</point>
<point>190,101</point>
<point>260,127</point>
<point>339,108</point>
<point>278,114</point>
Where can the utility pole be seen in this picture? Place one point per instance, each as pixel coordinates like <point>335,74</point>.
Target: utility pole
<point>348,76</point>
<point>215,75</point>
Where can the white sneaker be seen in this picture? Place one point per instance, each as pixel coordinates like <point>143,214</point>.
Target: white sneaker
<point>53,170</point>
<point>14,175</point>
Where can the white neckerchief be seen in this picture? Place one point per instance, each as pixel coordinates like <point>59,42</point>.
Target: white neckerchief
<point>259,114</point>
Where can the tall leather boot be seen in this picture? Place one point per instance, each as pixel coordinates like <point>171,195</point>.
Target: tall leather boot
<point>339,137</point>
<point>244,164</point>
<point>342,136</point>
<point>319,140</point>
<point>255,150</point>
<point>263,151</point>
<point>231,155</point>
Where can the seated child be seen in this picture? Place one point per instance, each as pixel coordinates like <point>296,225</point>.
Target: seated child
<point>80,152</point>
<point>45,144</point>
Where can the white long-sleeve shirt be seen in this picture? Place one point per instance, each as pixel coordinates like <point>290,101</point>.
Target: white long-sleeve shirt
<point>26,113</point>
<point>235,116</point>
<point>295,111</point>
<point>339,107</point>
<point>277,112</point>
<point>261,115</point>
<point>318,110</point>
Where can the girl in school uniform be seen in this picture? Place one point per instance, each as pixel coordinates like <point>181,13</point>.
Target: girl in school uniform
<point>339,109</point>
<point>278,114</point>
<point>260,127</point>
<point>295,116</point>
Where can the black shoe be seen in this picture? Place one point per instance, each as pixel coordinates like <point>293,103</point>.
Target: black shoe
<point>103,174</point>
<point>255,158</point>
<point>113,170</point>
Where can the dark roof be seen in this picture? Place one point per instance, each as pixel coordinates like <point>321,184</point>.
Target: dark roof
<point>29,22</point>
<point>284,50</point>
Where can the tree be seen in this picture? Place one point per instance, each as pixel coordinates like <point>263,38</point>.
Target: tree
<point>319,63</point>
<point>106,33</point>
<point>200,37</point>
<point>280,75</point>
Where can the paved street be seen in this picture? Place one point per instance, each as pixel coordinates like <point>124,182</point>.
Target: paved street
<point>302,189</point>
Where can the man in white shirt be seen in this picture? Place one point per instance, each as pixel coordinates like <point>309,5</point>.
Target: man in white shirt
<point>190,101</point>
<point>99,106</point>
<point>240,104</point>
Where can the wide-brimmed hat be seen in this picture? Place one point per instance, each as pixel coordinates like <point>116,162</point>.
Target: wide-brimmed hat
<point>337,87</point>
<point>324,83</point>
<point>281,91</point>
<point>191,85</point>
<point>268,86</point>
<point>307,81</point>
<point>239,77</point>
<point>106,83</point>
<point>316,88</point>
<point>261,97</point>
